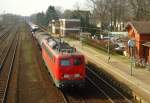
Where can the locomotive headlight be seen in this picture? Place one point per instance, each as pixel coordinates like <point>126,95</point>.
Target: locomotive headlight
<point>66,76</point>
<point>77,75</point>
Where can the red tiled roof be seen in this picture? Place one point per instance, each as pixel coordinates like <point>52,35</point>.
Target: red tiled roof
<point>142,27</point>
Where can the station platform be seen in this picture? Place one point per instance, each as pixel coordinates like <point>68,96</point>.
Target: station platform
<point>139,82</point>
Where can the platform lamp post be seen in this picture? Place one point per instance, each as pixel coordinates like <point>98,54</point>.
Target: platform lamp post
<point>131,45</point>
<point>108,48</point>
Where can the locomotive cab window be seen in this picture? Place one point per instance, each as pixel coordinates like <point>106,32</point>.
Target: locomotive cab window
<point>77,61</point>
<point>65,62</point>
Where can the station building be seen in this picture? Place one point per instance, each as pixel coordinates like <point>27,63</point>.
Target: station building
<point>140,33</point>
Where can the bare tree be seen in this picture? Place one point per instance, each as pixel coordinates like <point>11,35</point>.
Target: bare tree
<point>67,14</point>
<point>113,12</point>
<point>141,9</point>
<point>100,11</point>
<point>109,12</point>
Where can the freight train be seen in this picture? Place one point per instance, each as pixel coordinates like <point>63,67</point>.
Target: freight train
<point>65,64</point>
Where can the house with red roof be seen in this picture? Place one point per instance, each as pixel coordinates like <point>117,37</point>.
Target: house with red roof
<point>140,33</point>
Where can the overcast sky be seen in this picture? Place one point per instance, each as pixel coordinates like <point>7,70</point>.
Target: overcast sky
<point>28,7</point>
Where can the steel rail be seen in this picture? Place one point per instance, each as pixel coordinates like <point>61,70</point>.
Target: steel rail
<point>3,59</point>
<point>9,74</point>
<point>3,36</point>
<point>4,43</point>
<point>7,79</point>
<point>113,88</point>
<point>67,99</point>
<point>64,96</point>
<point>2,32</point>
<point>5,48</point>
<point>99,89</point>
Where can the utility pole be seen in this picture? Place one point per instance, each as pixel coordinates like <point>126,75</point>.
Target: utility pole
<point>108,49</point>
<point>110,29</point>
<point>131,58</point>
<point>131,45</point>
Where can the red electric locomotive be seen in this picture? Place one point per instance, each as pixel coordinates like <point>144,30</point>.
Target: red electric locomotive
<point>65,64</point>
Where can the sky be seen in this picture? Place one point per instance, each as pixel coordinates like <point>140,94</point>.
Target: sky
<point>28,7</point>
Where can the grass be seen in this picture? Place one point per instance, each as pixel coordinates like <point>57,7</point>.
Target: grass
<point>28,54</point>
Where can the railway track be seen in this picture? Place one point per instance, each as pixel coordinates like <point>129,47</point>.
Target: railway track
<point>5,44</point>
<point>4,41</point>
<point>6,68</point>
<point>113,95</point>
<point>69,98</point>
<point>3,30</point>
<point>5,34</point>
<point>105,91</point>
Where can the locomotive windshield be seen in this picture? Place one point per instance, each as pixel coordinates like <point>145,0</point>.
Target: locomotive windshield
<point>65,62</point>
<point>77,61</point>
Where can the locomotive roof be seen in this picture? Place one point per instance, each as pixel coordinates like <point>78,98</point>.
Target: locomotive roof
<point>60,46</point>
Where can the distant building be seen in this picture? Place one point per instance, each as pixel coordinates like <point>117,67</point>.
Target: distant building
<point>55,26</point>
<point>69,27</point>
<point>65,27</point>
<point>140,33</point>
